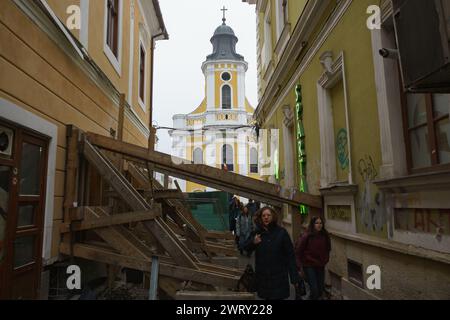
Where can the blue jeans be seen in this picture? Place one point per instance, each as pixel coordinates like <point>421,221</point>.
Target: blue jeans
<point>315,276</point>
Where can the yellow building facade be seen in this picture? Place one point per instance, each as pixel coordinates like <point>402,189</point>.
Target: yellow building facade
<point>384,192</point>
<point>67,62</point>
<point>219,131</point>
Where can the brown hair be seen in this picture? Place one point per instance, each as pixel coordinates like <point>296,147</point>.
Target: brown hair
<point>258,216</point>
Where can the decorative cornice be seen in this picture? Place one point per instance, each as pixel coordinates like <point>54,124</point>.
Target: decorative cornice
<point>207,63</point>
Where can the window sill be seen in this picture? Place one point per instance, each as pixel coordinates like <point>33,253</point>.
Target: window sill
<point>416,182</point>
<point>142,105</point>
<point>340,189</point>
<point>112,59</point>
<point>283,40</point>
<point>268,71</point>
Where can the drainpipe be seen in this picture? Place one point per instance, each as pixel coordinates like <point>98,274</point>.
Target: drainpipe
<point>151,139</point>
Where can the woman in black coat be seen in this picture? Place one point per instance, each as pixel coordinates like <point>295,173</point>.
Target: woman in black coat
<point>274,256</point>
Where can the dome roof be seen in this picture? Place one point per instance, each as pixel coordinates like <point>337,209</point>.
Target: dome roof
<point>224,44</point>
<point>224,30</point>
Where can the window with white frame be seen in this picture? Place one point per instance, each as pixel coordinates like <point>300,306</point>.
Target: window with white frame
<point>226,97</point>
<point>253,160</point>
<point>282,15</point>
<point>113,32</point>
<point>267,47</point>
<point>142,73</point>
<point>198,156</point>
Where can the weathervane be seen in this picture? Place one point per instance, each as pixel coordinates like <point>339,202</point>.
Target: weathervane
<point>224,10</point>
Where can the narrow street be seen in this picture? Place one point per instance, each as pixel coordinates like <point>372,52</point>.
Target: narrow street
<point>145,143</point>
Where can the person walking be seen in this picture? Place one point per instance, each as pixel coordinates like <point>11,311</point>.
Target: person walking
<point>274,256</point>
<point>244,227</point>
<point>312,255</point>
<point>233,213</point>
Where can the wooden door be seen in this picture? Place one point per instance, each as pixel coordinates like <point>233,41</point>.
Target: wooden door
<point>22,201</point>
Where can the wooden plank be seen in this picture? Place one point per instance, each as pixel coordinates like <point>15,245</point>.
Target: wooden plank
<point>166,194</point>
<point>209,176</point>
<point>228,251</point>
<point>108,221</point>
<point>72,164</point>
<point>121,117</point>
<point>171,207</point>
<point>219,235</point>
<point>143,264</point>
<point>130,196</point>
<point>170,286</point>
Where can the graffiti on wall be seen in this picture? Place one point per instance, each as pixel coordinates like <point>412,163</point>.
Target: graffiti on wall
<point>342,149</point>
<point>432,221</point>
<point>370,204</point>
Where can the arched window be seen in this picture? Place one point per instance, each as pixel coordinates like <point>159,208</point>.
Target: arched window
<point>226,97</point>
<point>253,160</point>
<point>198,156</point>
<point>227,156</point>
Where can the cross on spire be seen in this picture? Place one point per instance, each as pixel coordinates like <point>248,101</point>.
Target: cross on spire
<point>224,10</point>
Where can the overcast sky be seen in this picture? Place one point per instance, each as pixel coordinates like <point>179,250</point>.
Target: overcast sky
<point>179,81</point>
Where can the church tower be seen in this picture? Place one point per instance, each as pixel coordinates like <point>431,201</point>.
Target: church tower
<point>218,132</point>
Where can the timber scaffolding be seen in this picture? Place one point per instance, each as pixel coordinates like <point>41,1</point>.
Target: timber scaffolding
<point>116,213</point>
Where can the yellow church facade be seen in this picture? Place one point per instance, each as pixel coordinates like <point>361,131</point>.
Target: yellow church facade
<point>218,132</point>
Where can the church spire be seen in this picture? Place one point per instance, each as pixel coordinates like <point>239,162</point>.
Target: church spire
<point>224,19</point>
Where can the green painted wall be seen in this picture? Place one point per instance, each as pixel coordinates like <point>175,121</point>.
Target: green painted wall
<point>352,37</point>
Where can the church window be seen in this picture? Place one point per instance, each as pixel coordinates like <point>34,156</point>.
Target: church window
<point>226,76</point>
<point>198,156</point>
<point>253,160</point>
<point>226,97</point>
<point>227,157</point>
<point>112,28</point>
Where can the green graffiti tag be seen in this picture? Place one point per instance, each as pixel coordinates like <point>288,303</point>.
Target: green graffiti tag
<point>342,150</point>
<point>301,147</point>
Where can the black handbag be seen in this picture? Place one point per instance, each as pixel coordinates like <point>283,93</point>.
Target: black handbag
<point>300,289</point>
<point>248,279</point>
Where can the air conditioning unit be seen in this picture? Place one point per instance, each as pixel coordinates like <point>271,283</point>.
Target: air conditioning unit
<point>423,39</point>
<point>6,142</point>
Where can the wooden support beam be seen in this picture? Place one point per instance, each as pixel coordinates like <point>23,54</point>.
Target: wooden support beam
<point>135,201</point>
<point>215,248</point>
<point>218,235</point>
<point>166,194</point>
<point>209,176</point>
<point>108,221</point>
<point>143,264</point>
<point>172,207</point>
<point>121,117</point>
